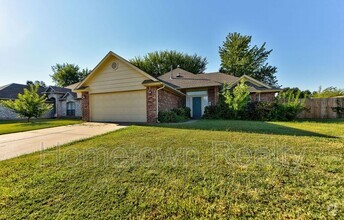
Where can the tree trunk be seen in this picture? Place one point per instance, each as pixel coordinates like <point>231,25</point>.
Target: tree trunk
<point>28,119</point>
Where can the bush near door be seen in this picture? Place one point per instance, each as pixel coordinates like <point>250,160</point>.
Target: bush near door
<point>174,115</point>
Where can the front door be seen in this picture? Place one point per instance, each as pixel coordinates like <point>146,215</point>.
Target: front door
<point>196,107</point>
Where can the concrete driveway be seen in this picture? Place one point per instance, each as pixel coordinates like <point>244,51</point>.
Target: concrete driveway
<point>13,145</point>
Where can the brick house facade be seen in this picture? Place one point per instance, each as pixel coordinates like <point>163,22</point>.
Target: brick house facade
<point>118,91</point>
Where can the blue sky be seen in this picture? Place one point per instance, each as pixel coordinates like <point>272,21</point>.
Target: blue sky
<point>307,37</point>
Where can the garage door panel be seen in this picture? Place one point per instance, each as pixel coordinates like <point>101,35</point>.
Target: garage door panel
<point>119,107</point>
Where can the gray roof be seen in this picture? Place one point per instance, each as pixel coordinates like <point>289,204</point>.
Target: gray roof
<point>12,90</point>
<point>60,90</point>
<point>220,77</point>
<point>182,79</point>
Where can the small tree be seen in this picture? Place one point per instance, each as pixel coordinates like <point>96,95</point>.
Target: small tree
<point>29,104</point>
<point>239,99</point>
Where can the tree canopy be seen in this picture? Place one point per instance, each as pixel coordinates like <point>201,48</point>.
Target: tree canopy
<point>29,104</point>
<point>159,62</point>
<point>238,57</point>
<point>66,74</point>
<point>41,83</point>
<point>328,92</point>
<point>303,93</point>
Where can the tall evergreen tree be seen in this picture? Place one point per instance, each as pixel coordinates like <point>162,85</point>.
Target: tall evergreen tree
<point>238,57</point>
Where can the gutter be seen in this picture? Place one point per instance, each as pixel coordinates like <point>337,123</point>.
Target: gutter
<point>157,102</point>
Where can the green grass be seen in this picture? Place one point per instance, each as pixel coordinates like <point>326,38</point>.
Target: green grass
<point>321,128</point>
<point>198,170</point>
<point>7,127</point>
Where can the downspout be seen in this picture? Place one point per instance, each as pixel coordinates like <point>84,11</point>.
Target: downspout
<point>157,102</point>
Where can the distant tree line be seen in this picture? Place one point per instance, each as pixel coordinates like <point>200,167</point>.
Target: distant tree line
<point>326,93</point>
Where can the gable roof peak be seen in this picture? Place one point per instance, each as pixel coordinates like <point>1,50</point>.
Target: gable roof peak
<point>111,53</point>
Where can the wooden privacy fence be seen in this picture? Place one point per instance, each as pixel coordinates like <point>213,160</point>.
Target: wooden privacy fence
<point>322,108</point>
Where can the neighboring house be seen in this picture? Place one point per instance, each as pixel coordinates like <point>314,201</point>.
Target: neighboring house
<point>118,91</point>
<point>66,103</point>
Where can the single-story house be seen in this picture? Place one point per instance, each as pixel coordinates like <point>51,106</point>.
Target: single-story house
<point>118,91</point>
<point>66,103</point>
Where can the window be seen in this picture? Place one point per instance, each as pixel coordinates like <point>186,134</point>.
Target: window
<point>70,109</point>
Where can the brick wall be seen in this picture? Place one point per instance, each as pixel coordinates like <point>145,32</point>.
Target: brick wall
<point>213,95</point>
<point>85,103</point>
<point>151,104</point>
<point>264,97</point>
<point>168,100</point>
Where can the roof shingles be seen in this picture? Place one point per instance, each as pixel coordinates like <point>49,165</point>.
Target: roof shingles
<point>182,79</point>
<point>12,90</point>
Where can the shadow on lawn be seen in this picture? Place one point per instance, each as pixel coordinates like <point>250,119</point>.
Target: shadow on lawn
<point>259,127</point>
<point>324,121</point>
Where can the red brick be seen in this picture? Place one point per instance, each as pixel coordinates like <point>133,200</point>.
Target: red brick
<point>264,97</point>
<point>213,95</point>
<point>168,100</point>
<point>85,103</point>
<point>152,115</point>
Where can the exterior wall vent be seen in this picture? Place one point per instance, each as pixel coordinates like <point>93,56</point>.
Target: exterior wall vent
<point>114,65</point>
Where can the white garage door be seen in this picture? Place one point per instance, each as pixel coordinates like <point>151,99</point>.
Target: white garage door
<point>119,106</point>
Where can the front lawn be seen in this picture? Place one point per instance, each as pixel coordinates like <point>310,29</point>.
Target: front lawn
<point>191,171</point>
<point>7,127</point>
<point>320,128</point>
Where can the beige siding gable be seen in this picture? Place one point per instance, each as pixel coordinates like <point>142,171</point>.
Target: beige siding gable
<point>123,78</point>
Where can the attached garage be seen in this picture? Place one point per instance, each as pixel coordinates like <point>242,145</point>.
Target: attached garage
<point>127,106</point>
<point>117,91</point>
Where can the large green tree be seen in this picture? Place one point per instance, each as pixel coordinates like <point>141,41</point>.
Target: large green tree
<point>29,104</point>
<point>66,74</point>
<point>159,62</point>
<point>238,57</point>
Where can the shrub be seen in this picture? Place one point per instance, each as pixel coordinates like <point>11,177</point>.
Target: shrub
<point>286,108</point>
<point>289,106</point>
<point>260,111</point>
<point>219,111</point>
<point>338,109</point>
<point>184,112</point>
<point>174,115</point>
